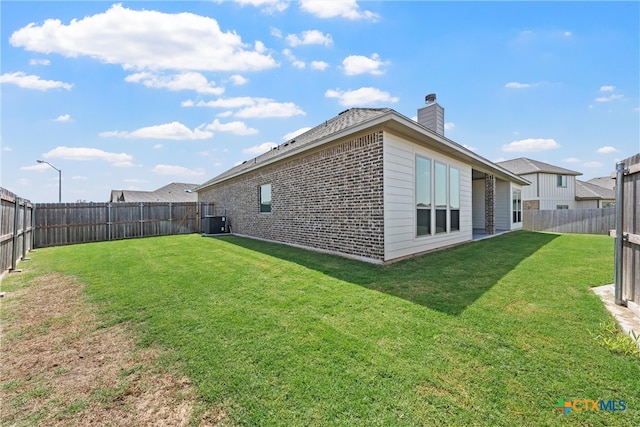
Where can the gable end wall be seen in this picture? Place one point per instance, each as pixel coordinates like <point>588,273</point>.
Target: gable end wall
<point>330,199</point>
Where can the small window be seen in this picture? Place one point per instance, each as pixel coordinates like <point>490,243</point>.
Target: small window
<point>562,207</point>
<point>265,198</point>
<point>562,181</point>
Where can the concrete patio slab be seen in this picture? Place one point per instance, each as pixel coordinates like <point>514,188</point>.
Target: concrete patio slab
<point>628,320</point>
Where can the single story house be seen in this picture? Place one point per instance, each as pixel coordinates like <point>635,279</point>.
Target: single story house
<point>592,196</point>
<point>371,184</point>
<point>174,192</point>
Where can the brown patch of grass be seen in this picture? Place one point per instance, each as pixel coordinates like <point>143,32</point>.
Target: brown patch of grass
<point>60,367</point>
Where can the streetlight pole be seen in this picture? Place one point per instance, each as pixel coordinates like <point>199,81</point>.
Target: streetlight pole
<point>59,179</point>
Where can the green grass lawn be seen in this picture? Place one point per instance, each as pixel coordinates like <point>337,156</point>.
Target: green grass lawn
<point>490,333</point>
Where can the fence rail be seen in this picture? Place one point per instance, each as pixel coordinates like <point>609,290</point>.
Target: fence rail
<point>70,223</point>
<point>16,230</point>
<point>583,221</point>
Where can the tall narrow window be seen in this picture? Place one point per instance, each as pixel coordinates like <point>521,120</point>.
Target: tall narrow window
<point>454,199</point>
<point>423,196</point>
<point>517,206</point>
<point>562,181</point>
<point>265,198</point>
<point>441,197</point>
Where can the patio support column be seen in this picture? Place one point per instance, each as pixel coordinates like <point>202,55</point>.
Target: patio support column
<point>490,204</point>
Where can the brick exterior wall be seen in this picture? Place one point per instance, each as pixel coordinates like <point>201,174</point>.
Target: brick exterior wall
<point>330,199</point>
<point>490,204</point>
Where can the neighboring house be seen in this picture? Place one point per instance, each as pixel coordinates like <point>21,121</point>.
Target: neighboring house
<point>552,187</point>
<point>370,184</point>
<point>592,196</point>
<point>604,181</point>
<point>174,192</point>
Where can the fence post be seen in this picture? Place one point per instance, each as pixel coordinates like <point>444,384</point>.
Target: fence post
<point>24,232</point>
<point>109,221</point>
<point>16,221</point>
<point>33,226</point>
<point>141,220</point>
<point>170,220</point>
<point>618,258</point>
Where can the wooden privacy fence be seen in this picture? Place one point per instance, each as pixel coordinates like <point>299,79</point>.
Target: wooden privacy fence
<point>627,233</point>
<point>583,221</point>
<point>69,223</point>
<point>16,230</point>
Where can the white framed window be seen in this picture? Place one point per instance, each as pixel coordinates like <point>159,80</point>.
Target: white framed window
<point>517,206</point>
<point>562,206</point>
<point>265,198</point>
<point>423,196</point>
<point>437,195</point>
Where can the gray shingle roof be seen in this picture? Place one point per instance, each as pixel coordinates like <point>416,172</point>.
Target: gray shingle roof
<point>586,190</point>
<point>174,192</point>
<point>523,166</point>
<point>603,181</point>
<point>344,120</point>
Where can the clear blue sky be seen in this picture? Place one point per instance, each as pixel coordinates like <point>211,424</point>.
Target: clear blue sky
<point>136,95</point>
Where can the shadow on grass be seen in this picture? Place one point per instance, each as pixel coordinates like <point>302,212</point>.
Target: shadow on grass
<point>447,281</point>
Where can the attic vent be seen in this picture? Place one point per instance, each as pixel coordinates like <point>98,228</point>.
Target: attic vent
<point>343,112</point>
<point>244,162</point>
<point>430,98</point>
<point>292,141</point>
<point>285,144</point>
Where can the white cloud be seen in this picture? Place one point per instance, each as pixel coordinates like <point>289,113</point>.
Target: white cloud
<point>39,62</point>
<point>238,80</point>
<point>275,32</point>
<point>237,128</point>
<point>572,160</point>
<point>173,130</point>
<point>348,9</point>
<point>83,153</point>
<point>184,81</point>
<point>607,88</point>
<point>135,180</point>
<point>319,65</point>
<point>39,167</point>
<point>592,164</point>
<point>358,64</point>
<point>568,33</point>
<point>32,82</point>
<point>610,98</point>
<point>607,149</point>
<point>157,146</point>
<point>177,171</point>
<point>291,57</point>
<point>63,118</point>
<point>145,39</point>
<point>6,149</point>
<point>259,149</point>
<point>268,6</point>
<point>530,145</point>
<point>449,126</point>
<point>295,133</point>
<point>225,114</point>
<point>309,37</point>
<point>517,85</point>
<point>252,107</point>
<point>362,96</point>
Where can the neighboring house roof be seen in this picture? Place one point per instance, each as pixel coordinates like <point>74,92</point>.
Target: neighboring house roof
<point>588,191</point>
<point>524,166</point>
<point>603,181</point>
<point>354,120</point>
<point>174,192</point>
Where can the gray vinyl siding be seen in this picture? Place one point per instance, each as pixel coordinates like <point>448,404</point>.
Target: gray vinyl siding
<point>399,200</point>
<point>503,205</point>
<point>544,187</point>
